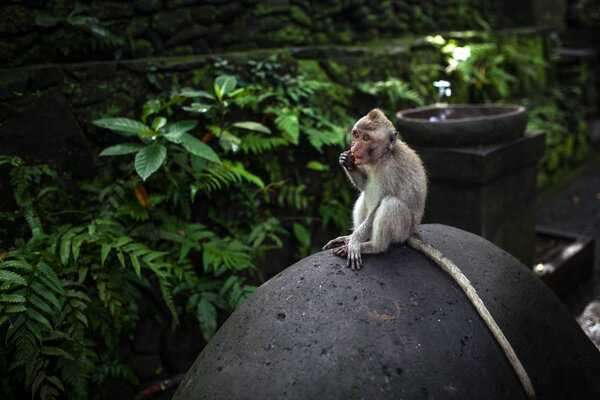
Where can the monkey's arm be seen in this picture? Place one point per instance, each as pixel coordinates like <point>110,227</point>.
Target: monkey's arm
<point>356,175</point>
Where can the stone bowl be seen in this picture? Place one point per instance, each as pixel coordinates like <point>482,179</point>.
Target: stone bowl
<point>462,125</point>
<point>400,328</point>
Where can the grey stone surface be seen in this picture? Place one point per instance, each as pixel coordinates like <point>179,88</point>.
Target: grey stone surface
<point>399,328</point>
<point>487,190</point>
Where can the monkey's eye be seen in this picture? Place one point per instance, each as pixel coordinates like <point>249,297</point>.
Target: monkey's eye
<point>355,133</point>
<point>366,138</point>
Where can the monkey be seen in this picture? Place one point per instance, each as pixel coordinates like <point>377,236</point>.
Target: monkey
<point>392,182</point>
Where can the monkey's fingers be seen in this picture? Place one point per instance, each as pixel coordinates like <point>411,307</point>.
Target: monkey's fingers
<point>333,242</point>
<point>341,251</point>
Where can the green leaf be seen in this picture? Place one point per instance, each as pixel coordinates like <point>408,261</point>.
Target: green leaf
<point>158,123</point>
<point>120,149</point>
<point>52,281</point>
<point>45,19</point>
<point>182,126</point>
<point>252,126</point>
<point>317,166</point>
<point>15,309</point>
<point>224,84</point>
<point>12,298</point>
<point>301,234</point>
<point>56,351</point>
<point>104,253</point>
<point>150,107</point>
<point>12,277</point>
<point>207,316</point>
<point>199,108</point>
<point>188,92</point>
<point>199,148</point>
<point>149,159</point>
<point>33,314</point>
<point>289,125</point>
<point>136,265</point>
<point>124,126</point>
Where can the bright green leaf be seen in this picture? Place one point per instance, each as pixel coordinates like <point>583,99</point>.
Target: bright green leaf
<point>124,126</point>
<point>188,92</point>
<point>150,107</point>
<point>252,126</point>
<point>158,123</point>
<point>224,84</point>
<point>149,159</point>
<point>317,166</point>
<point>199,148</point>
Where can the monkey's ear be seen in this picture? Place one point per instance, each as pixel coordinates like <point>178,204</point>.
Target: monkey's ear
<point>393,138</point>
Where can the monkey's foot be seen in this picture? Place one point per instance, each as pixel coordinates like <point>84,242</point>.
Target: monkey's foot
<point>339,240</point>
<point>354,259</point>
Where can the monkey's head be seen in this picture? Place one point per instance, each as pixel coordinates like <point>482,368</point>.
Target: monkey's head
<point>373,137</point>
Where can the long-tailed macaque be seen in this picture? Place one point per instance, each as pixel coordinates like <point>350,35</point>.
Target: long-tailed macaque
<point>393,188</point>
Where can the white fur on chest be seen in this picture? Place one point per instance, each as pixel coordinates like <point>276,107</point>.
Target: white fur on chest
<point>371,194</point>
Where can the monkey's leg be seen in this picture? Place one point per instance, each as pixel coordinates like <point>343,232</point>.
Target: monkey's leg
<point>392,223</point>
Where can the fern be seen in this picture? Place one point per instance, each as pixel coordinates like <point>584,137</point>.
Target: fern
<point>257,143</point>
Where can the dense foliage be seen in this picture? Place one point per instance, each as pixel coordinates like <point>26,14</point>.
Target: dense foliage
<point>196,193</point>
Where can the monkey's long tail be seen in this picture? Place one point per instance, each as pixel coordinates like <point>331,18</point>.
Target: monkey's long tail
<point>447,265</point>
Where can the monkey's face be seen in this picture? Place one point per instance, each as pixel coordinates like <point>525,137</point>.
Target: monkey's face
<point>368,146</point>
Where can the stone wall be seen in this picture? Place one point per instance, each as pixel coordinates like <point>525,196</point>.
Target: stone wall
<point>35,31</point>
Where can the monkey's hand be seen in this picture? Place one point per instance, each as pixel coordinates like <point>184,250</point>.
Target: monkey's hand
<point>347,160</point>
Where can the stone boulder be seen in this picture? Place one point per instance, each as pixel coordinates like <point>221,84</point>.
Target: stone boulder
<point>398,329</point>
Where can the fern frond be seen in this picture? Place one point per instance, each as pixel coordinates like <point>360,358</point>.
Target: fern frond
<point>257,143</point>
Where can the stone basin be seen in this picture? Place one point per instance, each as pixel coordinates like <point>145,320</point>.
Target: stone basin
<point>462,124</point>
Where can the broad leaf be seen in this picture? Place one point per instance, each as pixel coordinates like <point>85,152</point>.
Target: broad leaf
<point>149,159</point>
<point>124,126</point>
<point>224,84</point>
<point>301,234</point>
<point>252,126</point>
<point>182,126</point>
<point>188,92</point>
<point>158,123</point>
<point>207,317</point>
<point>198,148</point>
<point>197,108</point>
<point>229,142</point>
<point>150,107</point>
<point>120,149</point>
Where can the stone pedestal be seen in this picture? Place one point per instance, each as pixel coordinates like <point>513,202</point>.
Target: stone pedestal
<point>488,190</point>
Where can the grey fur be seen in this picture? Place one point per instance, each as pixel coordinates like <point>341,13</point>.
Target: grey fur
<point>393,188</point>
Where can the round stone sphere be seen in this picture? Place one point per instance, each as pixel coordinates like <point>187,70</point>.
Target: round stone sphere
<point>400,328</point>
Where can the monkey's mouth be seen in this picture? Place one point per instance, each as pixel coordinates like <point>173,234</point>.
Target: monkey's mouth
<point>358,159</point>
